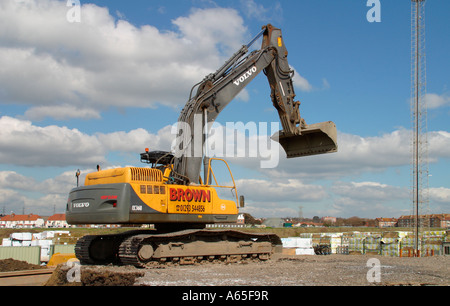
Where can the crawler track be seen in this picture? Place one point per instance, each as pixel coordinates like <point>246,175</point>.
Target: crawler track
<point>144,248</point>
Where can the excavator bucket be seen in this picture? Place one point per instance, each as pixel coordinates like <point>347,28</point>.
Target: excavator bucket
<point>318,138</point>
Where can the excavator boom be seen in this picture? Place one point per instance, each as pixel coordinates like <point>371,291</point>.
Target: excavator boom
<point>217,90</point>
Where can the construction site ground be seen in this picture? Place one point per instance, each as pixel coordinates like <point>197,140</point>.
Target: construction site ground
<point>280,270</point>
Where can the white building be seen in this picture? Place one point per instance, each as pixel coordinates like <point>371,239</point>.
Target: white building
<point>21,221</point>
<point>57,220</point>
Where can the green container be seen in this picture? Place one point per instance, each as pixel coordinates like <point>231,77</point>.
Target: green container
<point>30,254</point>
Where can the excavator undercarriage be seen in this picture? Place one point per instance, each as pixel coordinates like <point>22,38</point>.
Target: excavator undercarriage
<point>143,248</point>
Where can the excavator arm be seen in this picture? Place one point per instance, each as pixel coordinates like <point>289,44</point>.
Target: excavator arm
<point>217,90</point>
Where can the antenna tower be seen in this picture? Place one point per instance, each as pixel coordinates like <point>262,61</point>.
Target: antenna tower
<point>419,120</point>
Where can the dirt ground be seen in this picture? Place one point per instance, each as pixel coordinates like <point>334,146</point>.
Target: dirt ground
<point>9,265</point>
<point>281,270</point>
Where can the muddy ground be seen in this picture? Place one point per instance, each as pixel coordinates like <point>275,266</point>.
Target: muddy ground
<point>281,270</point>
<point>9,265</point>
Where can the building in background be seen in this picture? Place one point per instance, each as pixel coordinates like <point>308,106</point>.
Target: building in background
<point>329,220</point>
<point>386,222</point>
<point>57,220</point>
<point>21,221</point>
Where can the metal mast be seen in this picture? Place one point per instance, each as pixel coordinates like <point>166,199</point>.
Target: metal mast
<point>419,118</point>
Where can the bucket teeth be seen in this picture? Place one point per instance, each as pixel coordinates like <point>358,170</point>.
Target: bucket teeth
<point>318,138</point>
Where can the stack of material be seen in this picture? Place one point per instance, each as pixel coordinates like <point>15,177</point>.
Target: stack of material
<point>297,246</point>
<point>403,234</point>
<point>335,242</point>
<point>356,243</point>
<point>440,233</point>
<point>18,239</point>
<point>407,246</point>
<point>304,247</point>
<point>6,242</point>
<point>390,246</point>
<point>432,243</point>
<point>45,248</point>
<point>316,239</point>
<point>43,239</point>
<point>372,245</point>
<point>306,235</point>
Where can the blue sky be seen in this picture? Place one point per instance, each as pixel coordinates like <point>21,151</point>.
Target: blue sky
<point>77,94</point>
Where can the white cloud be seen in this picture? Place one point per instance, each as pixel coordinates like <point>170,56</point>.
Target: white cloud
<point>369,191</point>
<point>61,112</point>
<point>13,180</point>
<point>357,155</point>
<point>300,82</point>
<point>278,198</point>
<point>436,101</point>
<point>439,145</point>
<point>441,195</point>
<point>26,144</point>
<point>39,197</point>
<point>290,190</point>
<point>137,140</point>
<point>372,199</point>
<point>100,62</point>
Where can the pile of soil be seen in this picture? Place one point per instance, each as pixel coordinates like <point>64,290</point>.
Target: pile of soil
<point>94,276</point>
<point>8,265</point>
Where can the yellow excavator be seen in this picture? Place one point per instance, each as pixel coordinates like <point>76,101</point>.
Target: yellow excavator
<point>170,191</point>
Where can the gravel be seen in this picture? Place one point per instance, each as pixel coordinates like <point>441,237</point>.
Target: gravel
<point>328,270</point>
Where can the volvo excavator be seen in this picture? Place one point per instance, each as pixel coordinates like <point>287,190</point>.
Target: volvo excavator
<point>170,192</point>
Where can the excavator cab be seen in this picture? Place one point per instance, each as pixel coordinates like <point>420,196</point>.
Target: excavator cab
<point>317,138</point>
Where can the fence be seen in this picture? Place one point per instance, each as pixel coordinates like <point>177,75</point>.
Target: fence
<point>387,244</point>
<point>30,254</point>
<point>34,254</point>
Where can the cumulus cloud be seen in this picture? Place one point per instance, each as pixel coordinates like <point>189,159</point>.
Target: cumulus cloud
<point>357,155</point>
<point>137,140</point>
<point>77,70</point>
<point>100,62</point>
<point>369,199</point>
<point>300,82</point>
<point>441,195</point>
<point>61,112</point>
<point>278,198</point>
<point>437,101</point>
<point>439,145</point>
<point>34,196</point>
<point>369,191</point>
<point>279,191</point>
<point>26,144</point>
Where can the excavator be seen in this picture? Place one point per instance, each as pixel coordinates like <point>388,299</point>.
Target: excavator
<point>170,192</point>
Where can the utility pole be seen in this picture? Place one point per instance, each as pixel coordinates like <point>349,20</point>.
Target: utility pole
<point>419,117</point>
